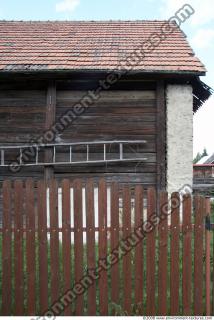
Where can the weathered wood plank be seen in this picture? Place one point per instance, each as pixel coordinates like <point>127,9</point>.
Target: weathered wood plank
<point>66,240</point>
<point>30,248</point>
<point>102,217</point>
<point>90,233</point>
<point>174,255</point>
<point>198,256</point>
<point>161,136</point>
<point>54,241</point>
<point>139,269</point>
<point>42,235</point>
<point>78,243</point>
<point>187,255</point>
<point>115,278</point>
<point>18,248</point>
<point>107,96</point>
<point>127,257</point>
<point>49,122</point>
<point>6,250</point>
<point>150,252</point>
<point>163,252</point>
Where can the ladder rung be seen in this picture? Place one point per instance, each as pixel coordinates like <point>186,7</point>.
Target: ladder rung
<point>20,158</point>
<point>54,155</point>
<point>37,155</point>
<point>121,151</point>
<point>2,157</point>
<point>70,154</point>
<point>104,152</point>
<point>87,152</point>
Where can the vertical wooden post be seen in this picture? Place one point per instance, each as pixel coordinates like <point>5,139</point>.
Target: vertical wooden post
<point>174,254</point>
<point>30,247</point>
<point>115,277</point>
<point>49,122</point>
<point>161,136</point>
<point>208,271</point>
<point>198,256</point>
<point>18,248</point>
<point>91,254</point>
<point>187,255</point>
<point>54,241</point>
<point>66,239</point>
<point>42,238</point>
<point>78,243</point>
<point>139,270</point>
<point>102,242</point>
<point>163,256</point>
<point>127,258</point>
<point>6,250</point>
<point>212,235</point>
<point>150,254</point>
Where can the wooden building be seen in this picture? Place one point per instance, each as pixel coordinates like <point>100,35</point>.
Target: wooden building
<point>87,99</point>
<point>203,173</point>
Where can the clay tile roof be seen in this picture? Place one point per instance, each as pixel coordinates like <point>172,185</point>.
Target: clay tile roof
<point>92,45</point>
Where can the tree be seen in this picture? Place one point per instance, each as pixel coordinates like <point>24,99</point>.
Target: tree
<point>199,156</point>
<point>204,154</point>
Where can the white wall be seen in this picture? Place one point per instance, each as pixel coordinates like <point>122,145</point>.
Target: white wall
<point>179,105</point>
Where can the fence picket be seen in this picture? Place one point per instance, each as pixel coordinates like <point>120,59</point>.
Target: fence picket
<point>187,255</point>
<point>6,250</point>
<point>174,254</point>
<point>18,248</point>
<point>54,241</point>
<point>198,256</point>
<point>25,217</point>
<point>208,256</point>
<point>91,259</point>
<point>139,250</point>
<point>150,252</point>
<point>127,256</point>
<point>78,243</point>
<point>102,217</point>
<point>30,248</point>
<point>115,277</point>
<point>66,240</point>
<point>42,235</point>
<point>163,252</point>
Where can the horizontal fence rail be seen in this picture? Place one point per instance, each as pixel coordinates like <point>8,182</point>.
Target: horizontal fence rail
<point>97,248</point>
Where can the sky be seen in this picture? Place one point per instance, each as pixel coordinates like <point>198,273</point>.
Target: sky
<point>199,30</point>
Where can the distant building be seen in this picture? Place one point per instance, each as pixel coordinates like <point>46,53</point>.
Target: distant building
<point>204,175</point>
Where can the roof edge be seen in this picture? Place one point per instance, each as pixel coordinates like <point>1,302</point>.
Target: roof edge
<point>201,93</point>
<point>49,71</point>
<point>78,21</point>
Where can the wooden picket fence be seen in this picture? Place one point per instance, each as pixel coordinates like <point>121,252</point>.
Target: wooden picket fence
<point>53,235</point>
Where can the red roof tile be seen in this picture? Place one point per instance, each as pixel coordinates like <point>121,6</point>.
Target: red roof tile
<point>103,45</point>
